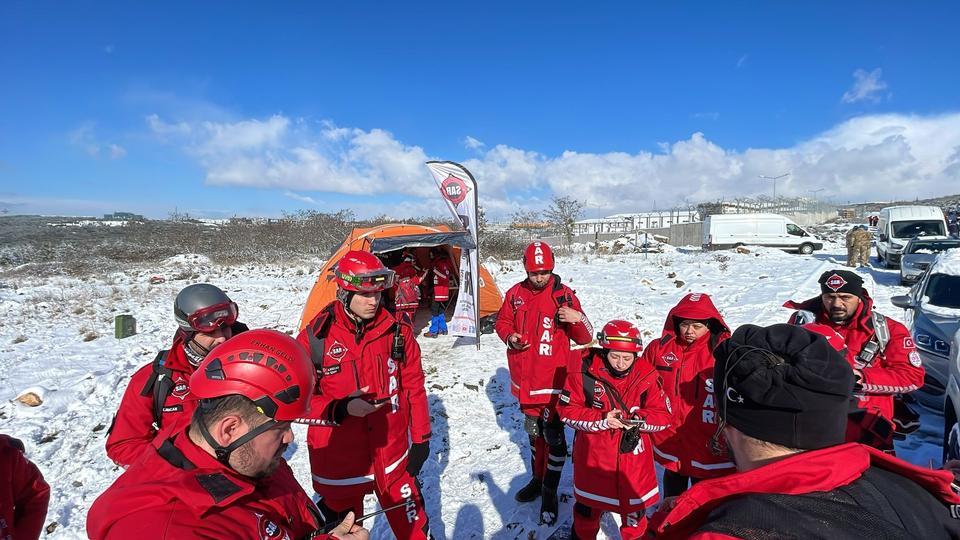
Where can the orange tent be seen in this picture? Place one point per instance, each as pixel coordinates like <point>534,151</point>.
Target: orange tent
<point>392,237</point>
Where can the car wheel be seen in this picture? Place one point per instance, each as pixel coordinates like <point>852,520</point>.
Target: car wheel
<point>805,249</point>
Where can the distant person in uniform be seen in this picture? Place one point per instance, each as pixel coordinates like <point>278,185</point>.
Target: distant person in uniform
<point>861,246</point>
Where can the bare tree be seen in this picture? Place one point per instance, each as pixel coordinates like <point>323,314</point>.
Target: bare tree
<point>562,213</point>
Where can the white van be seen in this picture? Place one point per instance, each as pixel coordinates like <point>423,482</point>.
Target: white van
<point>898,224</point>
<point>724,231</point>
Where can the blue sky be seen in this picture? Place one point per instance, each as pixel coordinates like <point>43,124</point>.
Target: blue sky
<point>221,109</point>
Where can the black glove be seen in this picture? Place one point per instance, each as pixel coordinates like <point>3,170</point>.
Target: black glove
<point>419,453</point>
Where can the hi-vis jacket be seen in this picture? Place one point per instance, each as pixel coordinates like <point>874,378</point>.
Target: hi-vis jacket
<point>537,374</point>
<point>347,453</point>
<point>897,369</point>
<point>687,372</point>
<point>178,491</point>
<point>602,476</point>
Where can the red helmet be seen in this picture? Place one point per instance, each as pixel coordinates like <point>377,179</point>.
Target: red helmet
<point>833,338</point>
<point>270,368</point>
<point>619,335</point>
<point>362,271</point>
<point>538,257</point>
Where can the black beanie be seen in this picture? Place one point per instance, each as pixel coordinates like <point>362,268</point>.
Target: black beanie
<point>841,281</point>
<point>783,384</point>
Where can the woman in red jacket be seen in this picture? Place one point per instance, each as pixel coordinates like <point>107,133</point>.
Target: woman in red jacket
<point>690,450</point>
<point>613,402</point>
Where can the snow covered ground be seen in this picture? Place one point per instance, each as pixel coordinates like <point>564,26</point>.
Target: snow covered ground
<point>57,335</point>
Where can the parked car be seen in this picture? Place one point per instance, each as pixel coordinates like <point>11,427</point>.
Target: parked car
<point>919,253</point>
<point>898,224</point>
<point>725,231</point>
<point>951,406</point>
<point>933,316</point>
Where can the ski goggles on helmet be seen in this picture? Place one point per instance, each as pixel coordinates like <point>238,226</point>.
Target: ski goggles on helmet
<point>212,317</point>
<point>607,340</point>
<point>370,282</point>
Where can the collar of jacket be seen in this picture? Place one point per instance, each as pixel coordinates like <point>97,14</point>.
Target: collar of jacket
<point>806,472</point>
<point>381,323</point>
<point>210,484</point>
<point>861,319</point>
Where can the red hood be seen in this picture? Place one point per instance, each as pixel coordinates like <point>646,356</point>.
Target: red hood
<point>693,306</point>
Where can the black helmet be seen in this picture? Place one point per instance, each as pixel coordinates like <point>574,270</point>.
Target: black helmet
<point>204,308</point>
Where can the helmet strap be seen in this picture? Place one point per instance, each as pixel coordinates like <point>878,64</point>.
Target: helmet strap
<point>194,351</point>
<point>223,452</point>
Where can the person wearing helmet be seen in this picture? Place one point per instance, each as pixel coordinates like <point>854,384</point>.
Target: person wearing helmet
<point>538,319</point>
<point>682,357</point>
<point>614,403</point>
<point>406,291</point>
<point>371,426</point>
<point>224,474</point>
<point>443,275</point>
<point>158,394</point>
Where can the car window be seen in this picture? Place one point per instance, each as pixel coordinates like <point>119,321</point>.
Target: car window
<point>929,246</point>
<point>794,230</point>
<point>944,290</point>
<point>909,229</point>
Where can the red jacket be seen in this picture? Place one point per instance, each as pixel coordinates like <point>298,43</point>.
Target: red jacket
<point>352,451</point>
<point>602,476</point>
<point>537,374</point>
<point>809,472</point>
<point>23,493</point>
<point>687,372</point>
<point>896,370</point>
<point>443,274</point>
<point>133,426</point>
<point>180,491</point>
<point>406,291</point>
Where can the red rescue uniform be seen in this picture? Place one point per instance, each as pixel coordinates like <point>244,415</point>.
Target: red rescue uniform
<point>897,369</point>
<point>23,493</point>
<point>443,275</point>
<point>849,491</point>
<point>133,426</point>
<point>351,456</point>
<point>179,491</point>
<point>604,477</point>
<point>687,373</point>
<point>538,373</point>
<point>406,291</point>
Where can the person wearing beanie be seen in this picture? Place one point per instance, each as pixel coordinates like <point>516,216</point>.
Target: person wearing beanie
<point>158,394</point>
<point>880,350</point>
<point>784,393</point>
<point>682,357</point>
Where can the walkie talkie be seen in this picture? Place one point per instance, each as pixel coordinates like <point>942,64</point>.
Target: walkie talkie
<point>396,350</point>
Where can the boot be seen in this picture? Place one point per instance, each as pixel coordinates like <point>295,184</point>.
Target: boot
<point>434,328</point>
<point>529,492</point>
<point>549,506</point>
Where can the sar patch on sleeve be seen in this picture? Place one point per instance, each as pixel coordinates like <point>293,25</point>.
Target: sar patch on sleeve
<point>915,360</point>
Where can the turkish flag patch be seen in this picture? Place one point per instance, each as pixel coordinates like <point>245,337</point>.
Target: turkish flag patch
<point>835,282</point>
<point>908,343</point>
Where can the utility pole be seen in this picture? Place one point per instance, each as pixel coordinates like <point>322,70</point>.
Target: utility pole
<point>816,202</point>
<point>775,178</point>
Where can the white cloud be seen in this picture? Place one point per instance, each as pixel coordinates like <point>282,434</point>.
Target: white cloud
<point>472,143</point>
<point>866,87</point>
<point>742,60</point>
<point>85,137</point>
<point>875,157</point>
<point>298,197</point>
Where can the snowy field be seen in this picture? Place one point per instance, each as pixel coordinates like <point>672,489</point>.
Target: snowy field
<point>56,335</point>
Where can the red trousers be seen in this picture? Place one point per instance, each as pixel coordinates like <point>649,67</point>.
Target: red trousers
<point>407,522</point>
<point>586,522</point>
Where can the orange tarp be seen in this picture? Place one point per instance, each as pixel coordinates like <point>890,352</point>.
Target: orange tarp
<point>325,288</point>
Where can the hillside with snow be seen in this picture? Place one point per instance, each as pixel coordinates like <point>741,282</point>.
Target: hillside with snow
<point>56,339</point>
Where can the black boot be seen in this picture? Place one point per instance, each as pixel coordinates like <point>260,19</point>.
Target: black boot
<point>548,506</point>
<point>529,492</point>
